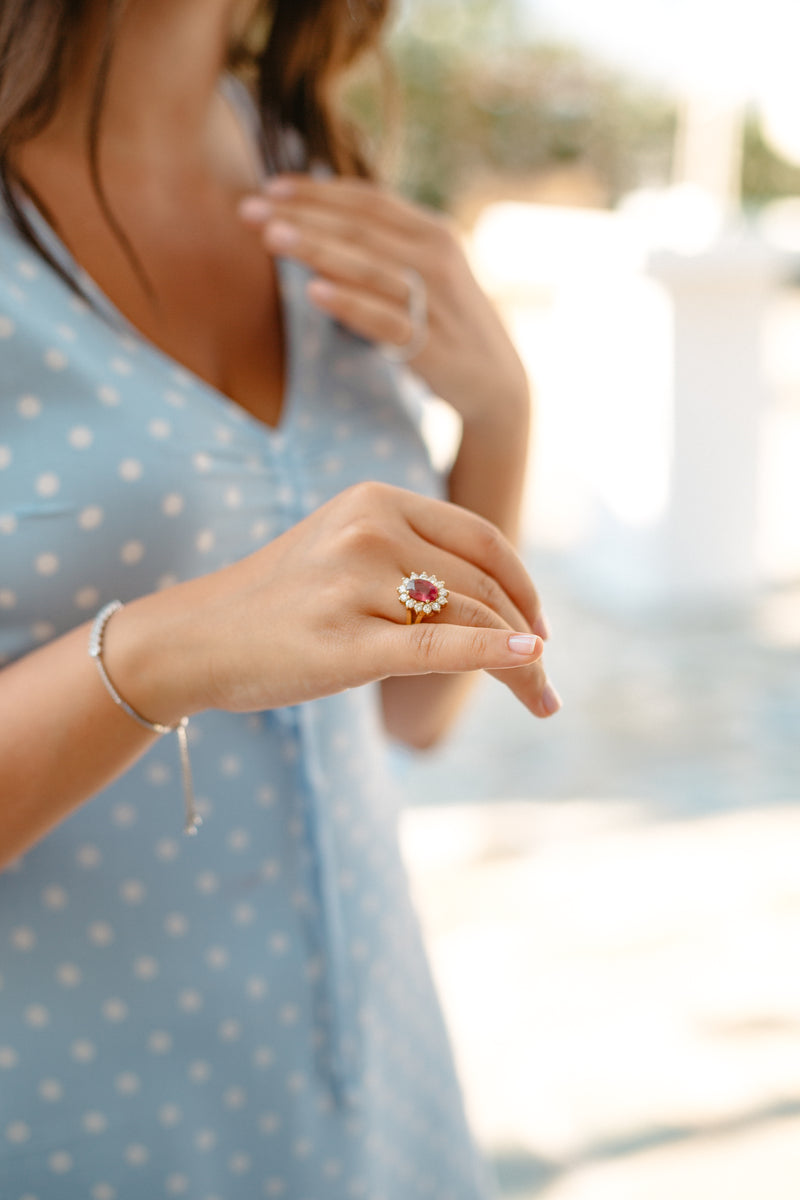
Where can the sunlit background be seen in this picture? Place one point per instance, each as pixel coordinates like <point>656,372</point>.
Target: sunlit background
<point>612,899</point>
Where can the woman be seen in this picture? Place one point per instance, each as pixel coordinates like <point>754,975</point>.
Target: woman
<point>185,428</point>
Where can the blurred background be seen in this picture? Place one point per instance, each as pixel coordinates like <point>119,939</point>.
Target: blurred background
<point>612,898</point>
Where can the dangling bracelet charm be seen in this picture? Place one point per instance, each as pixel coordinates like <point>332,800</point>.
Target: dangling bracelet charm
<point>193,818</point>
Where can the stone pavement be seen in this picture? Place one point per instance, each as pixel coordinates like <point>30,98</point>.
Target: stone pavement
<point>612,902</point>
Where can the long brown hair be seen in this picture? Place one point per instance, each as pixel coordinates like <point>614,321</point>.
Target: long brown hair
<point>293,54</point>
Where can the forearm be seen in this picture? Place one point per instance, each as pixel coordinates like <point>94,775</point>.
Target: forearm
<point>488,478</point>
<point>62,738</point>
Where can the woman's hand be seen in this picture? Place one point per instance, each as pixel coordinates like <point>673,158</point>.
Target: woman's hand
<point>361,242</point>
<point>316,611</point>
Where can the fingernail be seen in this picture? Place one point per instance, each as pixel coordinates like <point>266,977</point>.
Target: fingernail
<point>279,187</point>
<point>551,701</point>
<point>255,208</point>
<point>542,626</point>
<point>282,235</point>
<point>322,290</point>
<point>523,643</point>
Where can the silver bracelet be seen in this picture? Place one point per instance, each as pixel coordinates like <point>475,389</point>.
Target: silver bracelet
<point>192,817</point>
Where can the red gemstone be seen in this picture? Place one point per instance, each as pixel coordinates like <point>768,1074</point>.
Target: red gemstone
<point>423,591</point>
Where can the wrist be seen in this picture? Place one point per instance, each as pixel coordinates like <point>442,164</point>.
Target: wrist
<point>149,654</point>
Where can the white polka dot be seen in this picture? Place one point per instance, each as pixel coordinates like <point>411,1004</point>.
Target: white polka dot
<point>60,1162</point>
<point>167,849</point>
<point>94,1122</point>
<point>199,1071</point>
<point>51,1090</point>
<point>289,1014</point>
<point>5,456</point>
<point>302,1147</point>
<point>230,1030</point>
<point>29,407</point>
<point>121,366</point>
<point>127,1083</point>
<point>132,891</point>
<point>260,530</point>
<point>7,327</point>
<point>8,1058</point>
<point>176,924</point>
<point>48,484</point>
<point>270,869</point>
<point>55,359</point>
<point>132,552</point>
<point>223,434</point>
<point>256,988</point>
<point>87,855</point>
<point>176,399</point>
<point>68,975</point>
<point>190,1001</point>
<point>37,1016</point>
<point>233,497</point>
<point>205,540</point>
<point>54,897</point>
<point>82,1050</point>
<point>100,933</point>
<point>176,1185</point>
<point>91,517</point>
<point>103,1191</point>
<point>47,564</point>
<point>279,943</point>
<point>169,1115</point>
<point>263,1057</point>
<point>8,523</point>
<point>114,1010</point>
<point>234,1097</point>
<point>172,505</point>
<point>244,914</point>
<point>202,462</point>
<point>216,957</point>
<point>108,396</point>
<point>159,428</point>
<point>137,1155</point>
<point>23,938</point>
<point>27,268</point>
<point>159,1042</point>
<point>18,1132</point>
<point>239,1163</point>
<point>124,815</point>
<point>274,1186</point>
<point>205,1139</point>
<point>87,597</point>
<point>145,968</point>
<point>269,1123</point>
<point>130,469</point>
<point>167,581</point>
<point>42,631</point>
<point>81,437</point>
<point>207,883</point>
<point>295,1082</point>
<point>66,332</point>
<point>230,765</point>
<point>238,839</point>
<point>8,598</point>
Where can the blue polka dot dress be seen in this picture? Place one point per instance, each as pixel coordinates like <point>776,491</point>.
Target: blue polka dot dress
<point>248,1013</point>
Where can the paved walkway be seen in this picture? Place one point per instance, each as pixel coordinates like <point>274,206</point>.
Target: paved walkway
<point>612,902</point>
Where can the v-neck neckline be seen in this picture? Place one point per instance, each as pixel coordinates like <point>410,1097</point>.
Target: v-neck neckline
<point>103,303</point>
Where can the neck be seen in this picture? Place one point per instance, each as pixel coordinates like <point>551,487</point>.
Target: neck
<point>162,94</point>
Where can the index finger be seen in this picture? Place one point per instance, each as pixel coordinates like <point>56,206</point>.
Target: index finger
<point>349,195</point>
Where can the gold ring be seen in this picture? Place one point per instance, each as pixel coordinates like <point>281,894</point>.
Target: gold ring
<point>422,594</point>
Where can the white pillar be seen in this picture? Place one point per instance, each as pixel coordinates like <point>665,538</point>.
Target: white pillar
<point>708,539</point>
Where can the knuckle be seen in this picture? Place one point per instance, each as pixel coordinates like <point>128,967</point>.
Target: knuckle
<point>426,643</point>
